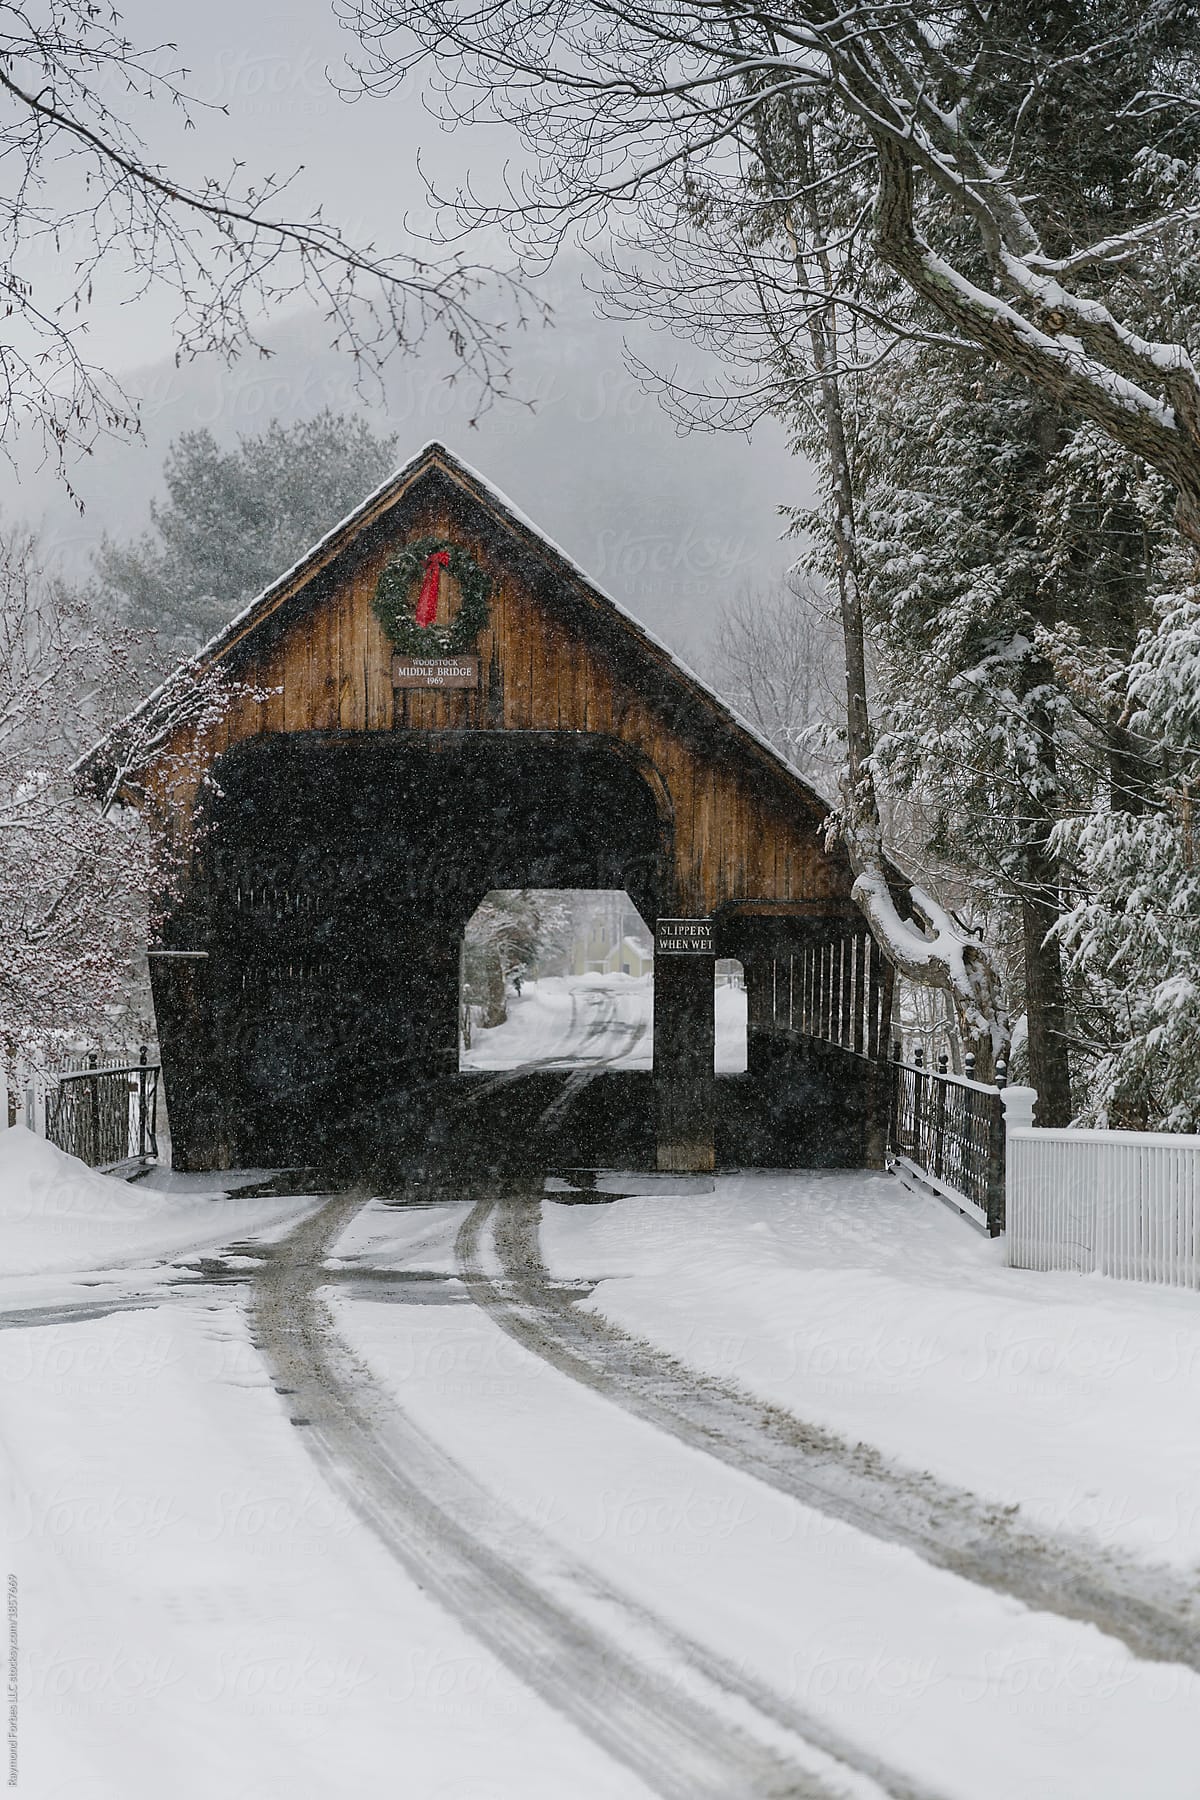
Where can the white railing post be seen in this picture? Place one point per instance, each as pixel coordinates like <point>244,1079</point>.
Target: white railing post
<point>1019,1103</point>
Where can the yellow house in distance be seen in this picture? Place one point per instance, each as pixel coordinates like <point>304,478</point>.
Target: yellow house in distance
<point>630,957</point>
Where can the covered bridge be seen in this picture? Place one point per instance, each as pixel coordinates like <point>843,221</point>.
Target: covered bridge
<point>436,702</point>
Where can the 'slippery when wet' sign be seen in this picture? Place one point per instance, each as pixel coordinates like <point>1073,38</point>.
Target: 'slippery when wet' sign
<point>683,937</point>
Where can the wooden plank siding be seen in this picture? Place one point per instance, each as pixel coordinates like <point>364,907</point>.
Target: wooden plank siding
<point>561,659</point>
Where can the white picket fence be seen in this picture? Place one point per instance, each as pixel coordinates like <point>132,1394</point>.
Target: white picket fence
<point>1122,1203</point>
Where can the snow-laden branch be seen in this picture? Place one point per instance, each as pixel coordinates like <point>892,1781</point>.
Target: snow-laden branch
<point>984,206</point>
<point>1145,396</point>
<point>932,949</point>
<point>1117,248</point>
<point>180,715</point>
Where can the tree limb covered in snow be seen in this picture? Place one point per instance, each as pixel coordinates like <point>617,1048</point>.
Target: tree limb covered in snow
<point>932,949</point>
<point>977,116</point>
<point>74,877</point>
<point>1145,396</point>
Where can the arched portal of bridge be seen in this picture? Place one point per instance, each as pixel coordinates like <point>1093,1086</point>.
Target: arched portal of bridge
<point>336,871</point>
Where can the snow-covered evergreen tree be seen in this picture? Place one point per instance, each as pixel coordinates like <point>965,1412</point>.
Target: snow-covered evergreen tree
<point>1006,554</point>
<point>1133,934</point>
<point>505,936</point>
<point>235,519</point>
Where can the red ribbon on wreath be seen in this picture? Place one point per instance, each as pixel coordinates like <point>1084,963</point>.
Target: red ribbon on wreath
<point>427,599</point>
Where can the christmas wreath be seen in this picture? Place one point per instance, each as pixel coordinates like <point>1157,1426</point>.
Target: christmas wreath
<point>412,628</point>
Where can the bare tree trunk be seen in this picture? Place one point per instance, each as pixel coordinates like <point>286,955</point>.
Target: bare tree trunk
<point>1041,909</point>
<point>928,946</point>
<point>1045,998</point>
<point>1045,991</point>
<point>947,957</point>
<point>495,1004</point>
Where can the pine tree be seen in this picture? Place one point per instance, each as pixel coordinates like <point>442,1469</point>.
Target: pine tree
<point>505,936</point>
<point>233,521</point>
<point>1133,934</point>
<point>1006,563</point>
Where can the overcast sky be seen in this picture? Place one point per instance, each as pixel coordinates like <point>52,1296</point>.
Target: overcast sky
<point>592,457</point>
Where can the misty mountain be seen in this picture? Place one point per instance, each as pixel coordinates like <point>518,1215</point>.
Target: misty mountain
<point>667,523</point>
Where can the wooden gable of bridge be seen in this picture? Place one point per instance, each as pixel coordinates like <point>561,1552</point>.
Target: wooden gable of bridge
<point>556,654</point>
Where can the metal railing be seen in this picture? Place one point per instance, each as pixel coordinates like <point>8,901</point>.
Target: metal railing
<point>950,1128</point>
<point>105,1115</point>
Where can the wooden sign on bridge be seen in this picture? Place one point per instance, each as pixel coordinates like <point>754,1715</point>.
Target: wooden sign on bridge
<point>684,937</point>
<point>435,672</point>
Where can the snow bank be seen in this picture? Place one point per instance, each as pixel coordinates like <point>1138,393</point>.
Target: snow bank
<point>56,1213</point>
<point>200,1614</point>
<point>880,1315</point>
<point>58,1216</point>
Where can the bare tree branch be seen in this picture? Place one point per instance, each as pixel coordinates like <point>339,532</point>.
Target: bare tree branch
<point>949,102</point>
<point>79,180</point>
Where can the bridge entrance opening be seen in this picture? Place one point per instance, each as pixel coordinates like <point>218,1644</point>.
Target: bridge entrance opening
<point>556,978</point>
<point>334,883</point>
<point>729,1023</point>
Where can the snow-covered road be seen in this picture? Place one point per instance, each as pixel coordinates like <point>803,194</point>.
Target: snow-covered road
<point>673,1711</point>
<point>950,1683</point>
<point>366,1494</point>
<point>585,1021</point>
<point>562,1022</point>
<point>947,1526</point>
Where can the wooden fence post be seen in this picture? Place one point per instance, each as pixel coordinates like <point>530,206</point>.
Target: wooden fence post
<point>846,996</point>
<point>874,1000</point>
<point>93,1111</point>
<point>939,1129</point>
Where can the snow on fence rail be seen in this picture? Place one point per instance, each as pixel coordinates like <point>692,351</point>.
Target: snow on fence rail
<point>1122,1203</point>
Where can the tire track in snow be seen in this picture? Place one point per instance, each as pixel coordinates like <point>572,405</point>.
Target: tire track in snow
<point>688,1725</point>
<point>1147,1609</point>
<point>74,1312</point>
